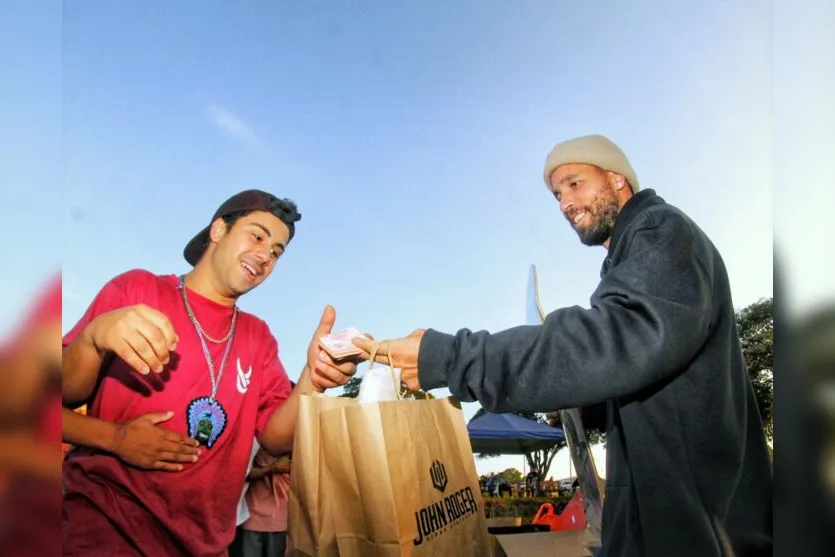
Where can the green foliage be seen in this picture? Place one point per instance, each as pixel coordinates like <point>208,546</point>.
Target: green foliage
<point>755,326</point>
<point>512,475</point>
<point>351,389</point>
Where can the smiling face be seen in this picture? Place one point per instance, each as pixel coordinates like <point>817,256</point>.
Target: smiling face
<point>244,254</point>
<point>590,199</point>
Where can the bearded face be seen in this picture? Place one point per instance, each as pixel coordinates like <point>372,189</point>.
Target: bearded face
<point>588,200</point>
<point>595,222</point>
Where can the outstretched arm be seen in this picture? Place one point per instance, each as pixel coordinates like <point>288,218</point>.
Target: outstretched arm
<point>650,315</point>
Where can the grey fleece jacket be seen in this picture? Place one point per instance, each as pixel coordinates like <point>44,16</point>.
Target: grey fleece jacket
<point>687,463</point>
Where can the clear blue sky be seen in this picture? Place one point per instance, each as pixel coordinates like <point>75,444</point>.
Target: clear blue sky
<point>411,136</point>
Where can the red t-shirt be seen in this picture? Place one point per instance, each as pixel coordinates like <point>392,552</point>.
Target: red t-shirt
<point>112,507</point>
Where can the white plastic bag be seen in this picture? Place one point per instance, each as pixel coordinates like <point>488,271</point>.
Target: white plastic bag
<point>380,383</point>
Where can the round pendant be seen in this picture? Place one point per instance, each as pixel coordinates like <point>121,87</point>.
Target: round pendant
<point>206,420</point>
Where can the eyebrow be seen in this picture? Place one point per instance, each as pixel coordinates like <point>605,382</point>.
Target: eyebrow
<point>269,234</point>
<point>568,178</point>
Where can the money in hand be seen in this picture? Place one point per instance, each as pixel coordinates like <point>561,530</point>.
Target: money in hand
<point>339,345</point>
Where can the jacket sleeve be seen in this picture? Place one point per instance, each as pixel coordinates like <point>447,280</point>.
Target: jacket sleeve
<point>649,317</point>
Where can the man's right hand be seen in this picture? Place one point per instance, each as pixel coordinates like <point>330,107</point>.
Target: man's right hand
<point>140,335</point>
<point>142,443</point>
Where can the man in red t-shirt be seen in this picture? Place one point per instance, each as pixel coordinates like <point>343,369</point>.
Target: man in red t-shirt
<point>179,382</point>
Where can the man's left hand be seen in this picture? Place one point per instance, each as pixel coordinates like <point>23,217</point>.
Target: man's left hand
<point>324,372</point>
<point>399,353</point>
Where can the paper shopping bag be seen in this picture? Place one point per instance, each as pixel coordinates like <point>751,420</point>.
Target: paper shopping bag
<point>401,480</point>
<point>309,520</point>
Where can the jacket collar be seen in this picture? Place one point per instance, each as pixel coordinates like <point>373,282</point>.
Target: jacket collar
<point>636,204</point>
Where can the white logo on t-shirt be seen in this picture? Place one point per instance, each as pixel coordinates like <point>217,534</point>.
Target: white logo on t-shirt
<point>243,378</point>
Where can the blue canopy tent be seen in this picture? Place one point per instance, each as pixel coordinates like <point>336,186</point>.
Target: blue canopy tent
<point>511,434</point>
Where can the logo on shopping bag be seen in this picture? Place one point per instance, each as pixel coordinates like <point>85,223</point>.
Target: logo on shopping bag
<point>438,474</point>
<point>437,517</point>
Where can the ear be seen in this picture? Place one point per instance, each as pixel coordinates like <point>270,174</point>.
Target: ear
<point>618,181</point>
<point>217,230</point>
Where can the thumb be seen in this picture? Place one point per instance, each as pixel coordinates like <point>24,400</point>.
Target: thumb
<point>159,417</point>
<point>326,322</point>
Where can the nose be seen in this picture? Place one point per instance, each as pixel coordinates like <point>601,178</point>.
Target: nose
<point>262,257</point>
<point>566,204</point>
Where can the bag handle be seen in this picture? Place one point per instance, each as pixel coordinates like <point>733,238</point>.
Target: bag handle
<point>374,348</point>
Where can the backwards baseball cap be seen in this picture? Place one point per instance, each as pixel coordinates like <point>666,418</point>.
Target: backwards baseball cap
<point>595,150</point>
<point>246,201</point>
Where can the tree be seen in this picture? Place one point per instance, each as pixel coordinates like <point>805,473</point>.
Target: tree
<point>512,475</point>
<point>755,326</point>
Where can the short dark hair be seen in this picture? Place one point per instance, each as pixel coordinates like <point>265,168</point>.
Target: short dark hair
<point>243,203</point>
<point>284,210</point>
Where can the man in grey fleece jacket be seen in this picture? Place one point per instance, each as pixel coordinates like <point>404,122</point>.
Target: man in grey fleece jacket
<point>687,466</point>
